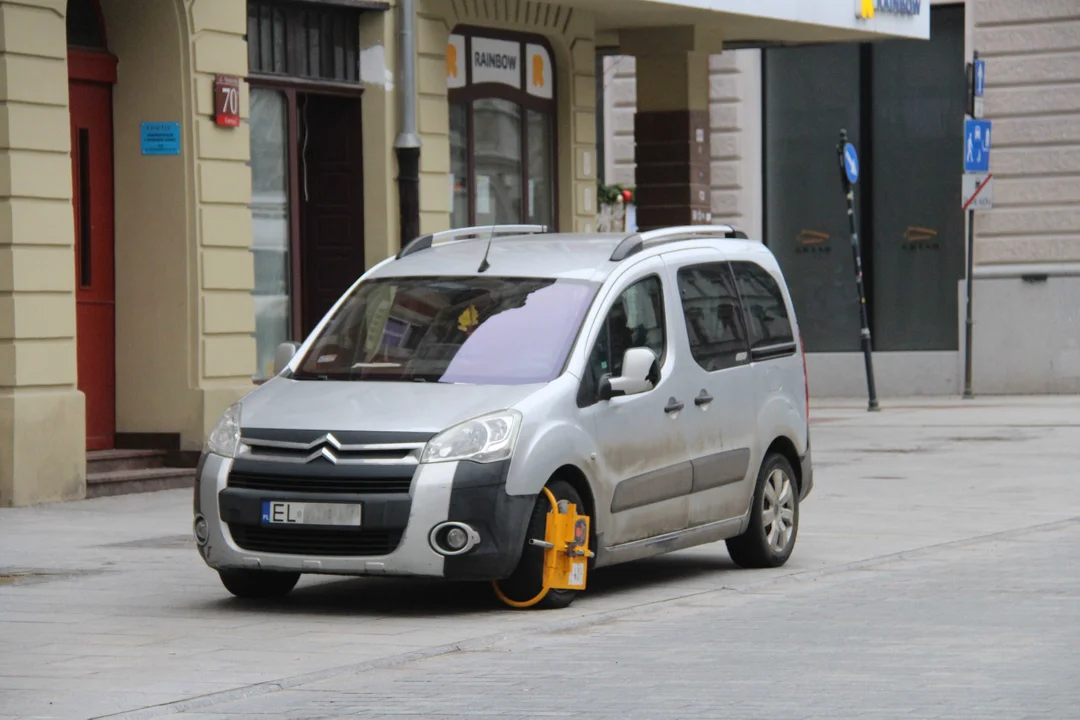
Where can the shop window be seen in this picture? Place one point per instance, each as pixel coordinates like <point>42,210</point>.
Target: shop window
<point>270,222</point>
<point>502,129</point>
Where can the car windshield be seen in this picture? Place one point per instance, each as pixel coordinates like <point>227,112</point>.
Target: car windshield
<point>478,330</point>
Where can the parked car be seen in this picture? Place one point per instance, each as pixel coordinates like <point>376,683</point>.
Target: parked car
<point>657,381</point>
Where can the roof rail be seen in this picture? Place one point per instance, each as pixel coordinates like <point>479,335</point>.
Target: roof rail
<point>426,241</point>
<point>635,243</point>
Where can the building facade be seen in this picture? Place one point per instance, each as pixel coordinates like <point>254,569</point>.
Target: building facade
<point>775,112</point>
<point>184,184</point>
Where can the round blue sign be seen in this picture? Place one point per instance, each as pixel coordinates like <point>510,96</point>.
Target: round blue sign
<point>851,163</point>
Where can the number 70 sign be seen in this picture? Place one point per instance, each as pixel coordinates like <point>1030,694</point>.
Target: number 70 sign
<point>227,100</point>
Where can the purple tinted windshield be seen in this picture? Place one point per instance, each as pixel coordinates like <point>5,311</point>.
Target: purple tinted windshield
<point>477,330</point>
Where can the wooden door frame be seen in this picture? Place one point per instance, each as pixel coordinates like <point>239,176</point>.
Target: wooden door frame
<point>292,88</point>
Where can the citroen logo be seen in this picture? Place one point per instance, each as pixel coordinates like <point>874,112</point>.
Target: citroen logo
<point>329,443</point>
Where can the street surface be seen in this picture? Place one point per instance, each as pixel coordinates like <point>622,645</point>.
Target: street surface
<point>935,575</point>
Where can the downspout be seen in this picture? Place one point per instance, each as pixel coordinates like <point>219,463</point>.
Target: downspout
<point>407,145</point>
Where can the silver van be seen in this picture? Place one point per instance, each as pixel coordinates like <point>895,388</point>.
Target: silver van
<point>657,381</point>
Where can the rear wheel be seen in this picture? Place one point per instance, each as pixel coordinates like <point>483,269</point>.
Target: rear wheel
<point>258,584</point>
<point>527,580</point>
<point>774,518</point>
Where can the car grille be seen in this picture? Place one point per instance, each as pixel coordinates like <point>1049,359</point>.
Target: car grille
<point>310,541</point>
<point>251,481</point>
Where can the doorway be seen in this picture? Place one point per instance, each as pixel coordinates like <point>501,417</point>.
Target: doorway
<point>91,77</point>
<point>331,202</point>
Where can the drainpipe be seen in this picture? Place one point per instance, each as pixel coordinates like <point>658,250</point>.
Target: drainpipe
<point>407,145</point>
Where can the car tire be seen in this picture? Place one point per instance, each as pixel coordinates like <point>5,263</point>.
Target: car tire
<point>258,584</point>
<point>526,581</point>
<point>774,518</point>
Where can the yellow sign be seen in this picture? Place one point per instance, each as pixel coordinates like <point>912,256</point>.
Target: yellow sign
<point>468,320</point>
<point>451,61</point>
<point>537,70</point>
<point>866,9</point>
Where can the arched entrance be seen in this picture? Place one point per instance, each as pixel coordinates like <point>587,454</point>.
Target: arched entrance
<point>91,76</point>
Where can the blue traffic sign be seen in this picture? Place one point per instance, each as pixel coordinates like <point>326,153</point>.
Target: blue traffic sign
<point>976,146</point>
<point>980,77</point>
<point>851,163</point>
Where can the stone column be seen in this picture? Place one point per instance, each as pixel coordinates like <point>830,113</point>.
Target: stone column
<point>671,127</point>
<point>42,413</point>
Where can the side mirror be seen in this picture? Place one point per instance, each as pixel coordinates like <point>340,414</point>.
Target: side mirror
<point>284,353</point>
<point>639,374</point>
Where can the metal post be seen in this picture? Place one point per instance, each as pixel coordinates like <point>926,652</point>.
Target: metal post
<point>969,323</point>
<point>856,252</point>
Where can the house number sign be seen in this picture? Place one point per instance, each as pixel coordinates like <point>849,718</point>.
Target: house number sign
<point>227,100</point>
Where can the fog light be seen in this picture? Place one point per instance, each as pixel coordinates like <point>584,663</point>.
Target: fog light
<point>202,530</point>
<point>453,538</point>
<point>456,538</point>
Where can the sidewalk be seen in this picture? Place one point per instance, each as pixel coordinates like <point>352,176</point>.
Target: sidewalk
<point>105,606</point>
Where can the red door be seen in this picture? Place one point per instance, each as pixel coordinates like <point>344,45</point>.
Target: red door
<point>92,185</point>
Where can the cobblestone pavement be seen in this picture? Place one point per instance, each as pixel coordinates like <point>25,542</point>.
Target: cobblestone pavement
<point>985,630</point>
<point>105,607</point>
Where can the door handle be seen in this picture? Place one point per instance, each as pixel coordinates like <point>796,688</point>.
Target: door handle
<point>673,406</point>
<point>703,399</point>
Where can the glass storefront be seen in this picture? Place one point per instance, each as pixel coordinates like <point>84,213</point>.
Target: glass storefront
<point>902,103</point>
<point>502,145</point>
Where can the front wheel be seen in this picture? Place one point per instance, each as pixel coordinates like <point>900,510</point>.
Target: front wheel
<point>525,585</point>
<point>774,518</point>
<point>258,584</point>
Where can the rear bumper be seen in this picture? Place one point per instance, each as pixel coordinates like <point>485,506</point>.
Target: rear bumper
<point>806,472</point>
<point>394,538</point>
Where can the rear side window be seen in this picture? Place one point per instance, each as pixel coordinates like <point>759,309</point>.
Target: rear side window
<point>714,319</point>
<point>766,314</point>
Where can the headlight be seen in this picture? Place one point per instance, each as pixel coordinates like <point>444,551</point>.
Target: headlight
<point>485,439</point>
<point>224,439</point>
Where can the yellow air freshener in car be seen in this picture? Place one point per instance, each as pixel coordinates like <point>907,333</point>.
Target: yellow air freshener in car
<point>468,320</point>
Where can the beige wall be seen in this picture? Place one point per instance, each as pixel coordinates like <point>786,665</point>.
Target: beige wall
<point>42,416</point>
<point>570,32</point>
<point>735,138</point>
<point>1032,53</point>
<point>184,271</point>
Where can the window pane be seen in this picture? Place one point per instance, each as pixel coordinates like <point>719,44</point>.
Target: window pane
<point>459,166</point>
<point>918,226</point>
<point>270,220</point>
<point>635,320</point>
<point>541,172</point>
<point>498,161</point>
<point>766,313</point>
<point>484,330</point>
<point>810,93</point>
<point>714,321</point>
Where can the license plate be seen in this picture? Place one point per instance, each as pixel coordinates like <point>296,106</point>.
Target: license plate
<point>303,513</point>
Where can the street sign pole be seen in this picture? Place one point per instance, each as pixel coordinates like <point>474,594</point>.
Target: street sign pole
<point>849,175</point>
<point>977,193</point>
<point>969,322</point>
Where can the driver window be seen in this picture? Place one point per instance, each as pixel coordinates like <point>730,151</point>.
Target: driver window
<point>635,320</point>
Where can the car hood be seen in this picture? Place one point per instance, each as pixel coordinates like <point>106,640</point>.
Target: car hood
<point>288,404</point>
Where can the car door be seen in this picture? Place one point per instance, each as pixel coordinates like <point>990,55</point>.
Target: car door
<point>641,449</point>
<point>722,412</point>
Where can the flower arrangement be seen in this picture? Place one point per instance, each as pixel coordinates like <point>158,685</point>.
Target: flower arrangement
<point>612,201</point>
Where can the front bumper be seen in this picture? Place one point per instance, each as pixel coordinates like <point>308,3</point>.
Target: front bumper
<point>394,539</point>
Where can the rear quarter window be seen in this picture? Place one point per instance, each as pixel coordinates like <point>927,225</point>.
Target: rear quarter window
<point>767,321</point>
